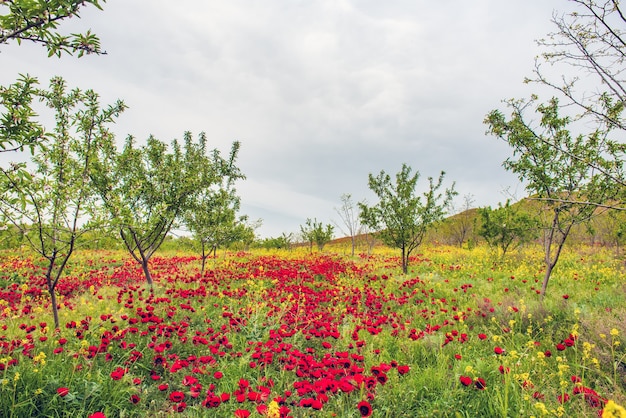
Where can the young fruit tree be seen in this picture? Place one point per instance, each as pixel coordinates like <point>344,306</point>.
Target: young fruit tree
<point>567,173</point>
<point>506,227</point>
<point>211,214</point>
<point>585,57</point>
<point>401,216</point>
<point>315,232</point>
<point>146,189</point>
<point>50,205</point>
<point>351,225</point>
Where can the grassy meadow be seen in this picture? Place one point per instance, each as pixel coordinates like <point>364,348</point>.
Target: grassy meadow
<point>299,334</point>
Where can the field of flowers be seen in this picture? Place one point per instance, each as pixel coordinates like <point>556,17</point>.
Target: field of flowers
<point>316,335</point>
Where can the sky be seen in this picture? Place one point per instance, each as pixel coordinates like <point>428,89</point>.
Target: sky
<point>319,93</point>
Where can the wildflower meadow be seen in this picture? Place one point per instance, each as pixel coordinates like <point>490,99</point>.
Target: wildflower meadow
<point>301,334</point>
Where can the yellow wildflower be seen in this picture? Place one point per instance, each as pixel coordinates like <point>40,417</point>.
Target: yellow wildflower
<point>613,410</point>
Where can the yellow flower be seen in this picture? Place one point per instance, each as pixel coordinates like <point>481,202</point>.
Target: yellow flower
<point>613,410</point>
<point>542,408</point>
<point>614,332</point>
<point>273,410</point>
<point>16,377</point>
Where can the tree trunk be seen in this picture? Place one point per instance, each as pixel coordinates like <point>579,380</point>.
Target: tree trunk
<point>146,271</point>
<point>353,240</point>
<point>55,308</point>
<point>546,278</point>
<point>405,260</point>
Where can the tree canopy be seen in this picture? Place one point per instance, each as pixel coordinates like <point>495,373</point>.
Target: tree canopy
<point>402,217</point>
<point>39,21</point>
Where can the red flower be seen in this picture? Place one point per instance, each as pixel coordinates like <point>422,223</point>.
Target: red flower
<point>189,380</point>
<point>504,370</point>
<point>480,383</point>
<point>482,336</point>
<point>97,415</point>
<point>560,347</point>
<point>180,407</point>
<point>218,375</point>
<point>163,387</point>
<point>177,396</point>
<point>364,408</point>
<point>63,391</point>
<point>465,380</point>
<point>404,369</point>
<point>118,373</point>
<point>498,350</point>
<point>242,413</point>
<point>135,399</point>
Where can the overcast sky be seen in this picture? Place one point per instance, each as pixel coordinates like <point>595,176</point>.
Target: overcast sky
<point>320,92</point>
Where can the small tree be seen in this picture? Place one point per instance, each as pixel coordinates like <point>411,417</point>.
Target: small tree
<point>145,189</point>
<point>38,22</point>
<point>49,206</point>
<point>462,225</point>
<point>401,216</point>
<point>349,218</point>
<point>585,57</point>
<point>505,228</point>
<point>560,170</point>
<point>314,232</point>
<point>211,213</point>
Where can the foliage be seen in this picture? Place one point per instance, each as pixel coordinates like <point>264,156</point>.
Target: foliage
<point>401,216</point>
<point>211,213</point>
<point>48,206</point>
<point>315,232</point>
<point>145,189</point>
<point>555,166</point>
<point>507,227</point>
<point>589,44</point>
<point>38,21</point>
<point>284,241</point>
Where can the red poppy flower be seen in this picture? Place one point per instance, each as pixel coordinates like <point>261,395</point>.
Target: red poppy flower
<point>118,373</point>
<point>563,398</point>
<point>480,383</point>
<point>63,391</point>
<point>465,380</point>
<point>242,413</point>
<point>135,399</point>
<point>180,407</point>
<point>177,396</point>
<point>364,408</point>
<point>498,350</point>
<point>404,369</point>
<point>97,415</point>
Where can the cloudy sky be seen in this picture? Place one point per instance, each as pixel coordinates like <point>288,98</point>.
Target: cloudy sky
<point>320,92</point>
